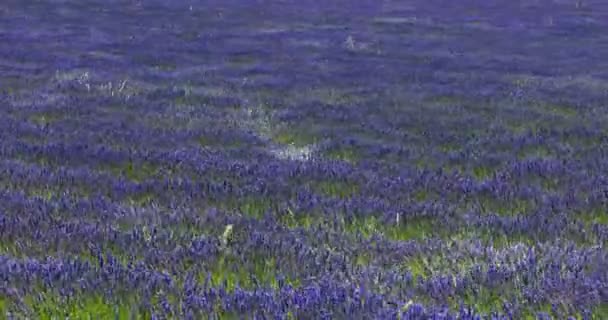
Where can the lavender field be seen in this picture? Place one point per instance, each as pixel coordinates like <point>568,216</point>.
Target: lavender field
<point>303,159</point>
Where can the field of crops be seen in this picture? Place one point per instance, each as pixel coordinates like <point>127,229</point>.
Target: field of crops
<point>300,159</point>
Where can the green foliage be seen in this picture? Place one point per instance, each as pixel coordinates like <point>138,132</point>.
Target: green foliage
<point>254,207</point>
<point>293,137</point>
<point>340,189</point>
<point>595,216</point>
<point>411,229</point>
<point>293,220</point>
<point>347,154</point>
<point>504,207</point>
<point>44,118</point>
<point>136,172</point>
<point>49,305</point>
<point>230,272</point>
<point>485,301</point>
<point>427,266</point>
<point>482,172</point>
<point>537,151</point>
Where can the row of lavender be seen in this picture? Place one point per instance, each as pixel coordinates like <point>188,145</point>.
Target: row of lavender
<point>241,159</point>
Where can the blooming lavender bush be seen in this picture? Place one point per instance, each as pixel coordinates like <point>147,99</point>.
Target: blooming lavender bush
<point>303,160</point>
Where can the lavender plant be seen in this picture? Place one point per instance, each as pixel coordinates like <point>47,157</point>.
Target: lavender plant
<point>298,160</point>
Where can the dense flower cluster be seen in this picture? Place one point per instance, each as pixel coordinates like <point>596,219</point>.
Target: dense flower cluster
<point>303,160</point>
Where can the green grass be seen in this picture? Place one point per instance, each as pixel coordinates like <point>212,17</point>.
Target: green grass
<point>16,84</point>
<point>449,147</point>
<point>87,307</point>
<point>140,199</point>
<point>293,220</point>
<point>503,207</point>
<point>44,118</point>
<point>417,228</point>
<point>422,195</point>
<point>484,302</point>
<point>293,137</point>
<point>600,311</point>
<point>28,248</point>
<point>254,207</point>
<point>345,154</point>
<point>136,172</point>
<point>596,216</point>
<point>538,151</point>
<point>558,109</point>
<point>230,272</point>
<point>4,304</point>
<point>340,189</point>
<point>482,172</point>
<point>428,163</point>
<point>49,305</point>
<point>429,266</point>
<point>207,141</point>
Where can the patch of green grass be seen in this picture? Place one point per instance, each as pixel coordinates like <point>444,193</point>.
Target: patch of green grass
<point>488,236</point>
<point>230,271</point>
<point>420,267</point>
<point>596,216</point>
<point>559,109</point>
<point>412,229</point>
<point>207,141</point>
<point>538,151</point>
<point>95,307</point>
<point>449,147</point>
<point>427,163</point>
<point>600,311</point>
<point>47,304</point>
<point>482,172</point>
<point>422,195</point>
<point>519,126</point>
<point>435,265</point>
<point>137,172</point>
<point>251,206</point>
<point>3,307</point>
<point>340,189</point>
<point>504,207</point>
<point>485,301</point>
<point>30,248</point>
<point>293,137</point>
<point>417,228</point>
<point>15,84</point>
<point>363,259</point>
<point>293,220</point>
<point>345,154</point>
<point>44,193</point>
<point>39,159</point>
<point>140,199</point>
<point>44,118</point>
